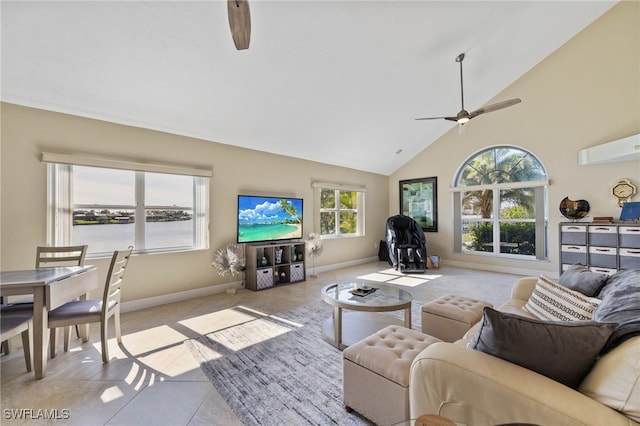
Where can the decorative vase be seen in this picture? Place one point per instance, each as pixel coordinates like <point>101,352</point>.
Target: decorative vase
<point>574,210</point>
<point>299,256</point>
<point>264,261</point>
<point>279,255</point>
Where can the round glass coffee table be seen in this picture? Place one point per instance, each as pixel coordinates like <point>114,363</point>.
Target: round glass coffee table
<point>364,300</point>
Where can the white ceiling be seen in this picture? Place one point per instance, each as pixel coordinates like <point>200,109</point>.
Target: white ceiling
<point>338,82</point>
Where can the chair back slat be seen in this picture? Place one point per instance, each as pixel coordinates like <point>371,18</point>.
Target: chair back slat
<point>85,312</point>
<point>115,275</point>
<point>47,257</point>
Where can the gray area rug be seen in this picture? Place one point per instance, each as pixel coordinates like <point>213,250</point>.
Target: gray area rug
<point>278,369</point>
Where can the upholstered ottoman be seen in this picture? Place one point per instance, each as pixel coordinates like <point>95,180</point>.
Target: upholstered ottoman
<point>376,373</point>
<point>449,317</point>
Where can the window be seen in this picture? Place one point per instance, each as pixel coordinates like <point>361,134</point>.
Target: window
<point>102,207</point>
<point>341,211</point>
<point>500,204</point>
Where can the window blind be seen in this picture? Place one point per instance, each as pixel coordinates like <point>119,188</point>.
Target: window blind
<point>82,160</point>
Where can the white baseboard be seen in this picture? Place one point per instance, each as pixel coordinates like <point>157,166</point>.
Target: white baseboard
<point>327,268</point>
<point>150,302</point>
<point>500,269</point>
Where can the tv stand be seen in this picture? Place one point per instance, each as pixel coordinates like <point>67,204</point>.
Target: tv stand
<point>267,267</point>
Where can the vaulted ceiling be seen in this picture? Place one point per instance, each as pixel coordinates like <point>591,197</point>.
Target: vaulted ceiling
<point>339,82</point>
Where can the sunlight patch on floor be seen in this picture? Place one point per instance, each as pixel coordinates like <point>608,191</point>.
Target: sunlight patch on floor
<point>378,277</point>
<point>214,321</point>
<point>111,394</point>
<point>166,362</point>
<point>408,281</point>
<point>151,339</point>
<point>133,373</point>
<point>286,321</point>
<point>392,276</point>
<point>239,338</point>
<point>260,314</point>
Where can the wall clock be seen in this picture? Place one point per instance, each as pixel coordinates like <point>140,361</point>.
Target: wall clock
<point>623,190</point>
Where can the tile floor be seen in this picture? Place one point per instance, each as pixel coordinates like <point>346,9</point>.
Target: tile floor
<point>153,380</point>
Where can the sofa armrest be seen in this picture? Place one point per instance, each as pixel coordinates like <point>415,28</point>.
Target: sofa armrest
<point>523,288</point>
<point>474,388</point>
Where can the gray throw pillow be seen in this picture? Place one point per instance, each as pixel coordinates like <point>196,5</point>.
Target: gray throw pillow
<point>620,304</point>
<point>561,350</point>
<point>580,278</point>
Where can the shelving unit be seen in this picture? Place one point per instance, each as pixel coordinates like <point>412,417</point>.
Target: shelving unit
<point>604,248</point>
<point>270,265</point>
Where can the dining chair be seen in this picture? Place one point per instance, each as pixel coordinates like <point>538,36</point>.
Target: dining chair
<point>46,257</point>
<point>94,311</point>
<point>18,324</point>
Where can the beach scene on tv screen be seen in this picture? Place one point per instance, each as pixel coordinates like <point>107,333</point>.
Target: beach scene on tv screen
<point>268,218</point>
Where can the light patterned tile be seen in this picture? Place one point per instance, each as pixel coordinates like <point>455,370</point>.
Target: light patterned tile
<point>153,379</point>
<point>163,403</point>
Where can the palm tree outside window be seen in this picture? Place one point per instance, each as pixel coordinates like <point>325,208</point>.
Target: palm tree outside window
<point>500,204</point>
<point>340,211</point>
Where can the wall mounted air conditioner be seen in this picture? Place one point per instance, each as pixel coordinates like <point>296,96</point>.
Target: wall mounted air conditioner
<point>625,149</point>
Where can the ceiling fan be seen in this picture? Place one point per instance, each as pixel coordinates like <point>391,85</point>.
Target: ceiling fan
<point>240,23</point>
<point>464,116</point>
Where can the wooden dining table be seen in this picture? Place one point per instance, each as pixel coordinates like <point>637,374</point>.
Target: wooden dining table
<point>50,287</point>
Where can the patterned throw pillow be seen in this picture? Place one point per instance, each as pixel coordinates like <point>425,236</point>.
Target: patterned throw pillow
<point>554,302</point>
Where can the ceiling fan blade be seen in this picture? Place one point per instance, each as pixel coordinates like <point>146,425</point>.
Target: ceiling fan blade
<point>432,118</point>
<point>439,118</point>
<point>239,23</point>
<point>495,107</point>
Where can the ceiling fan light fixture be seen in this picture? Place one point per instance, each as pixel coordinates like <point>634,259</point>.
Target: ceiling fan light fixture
<point>463,120</point>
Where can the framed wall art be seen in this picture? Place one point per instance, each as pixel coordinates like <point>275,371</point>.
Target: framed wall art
<point>419,200</point>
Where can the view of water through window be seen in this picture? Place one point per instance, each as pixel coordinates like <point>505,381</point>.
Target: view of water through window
<point>104,209</point>
<point>104,238</point>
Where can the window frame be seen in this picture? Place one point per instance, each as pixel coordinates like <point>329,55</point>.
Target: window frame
<point>60,205</point>
<point>541,216</point>
<point>359,211</point>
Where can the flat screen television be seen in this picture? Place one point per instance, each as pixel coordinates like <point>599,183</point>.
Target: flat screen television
<point>264,219</point>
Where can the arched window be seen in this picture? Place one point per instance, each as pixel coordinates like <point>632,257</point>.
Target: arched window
<point>500,204</point>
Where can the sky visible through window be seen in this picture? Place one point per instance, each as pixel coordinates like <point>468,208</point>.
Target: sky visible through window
<point>93,185</point>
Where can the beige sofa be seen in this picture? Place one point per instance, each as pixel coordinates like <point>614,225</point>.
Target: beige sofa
<point>474,388</point>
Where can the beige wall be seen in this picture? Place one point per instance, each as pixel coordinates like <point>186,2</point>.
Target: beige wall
<point>27,132</point>
<point>584,94</point>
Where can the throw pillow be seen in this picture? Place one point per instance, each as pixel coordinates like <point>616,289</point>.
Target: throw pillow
<point>621,304</point>
<point>554,302</point>
<point>561,350</point>
<point>580,278</point>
